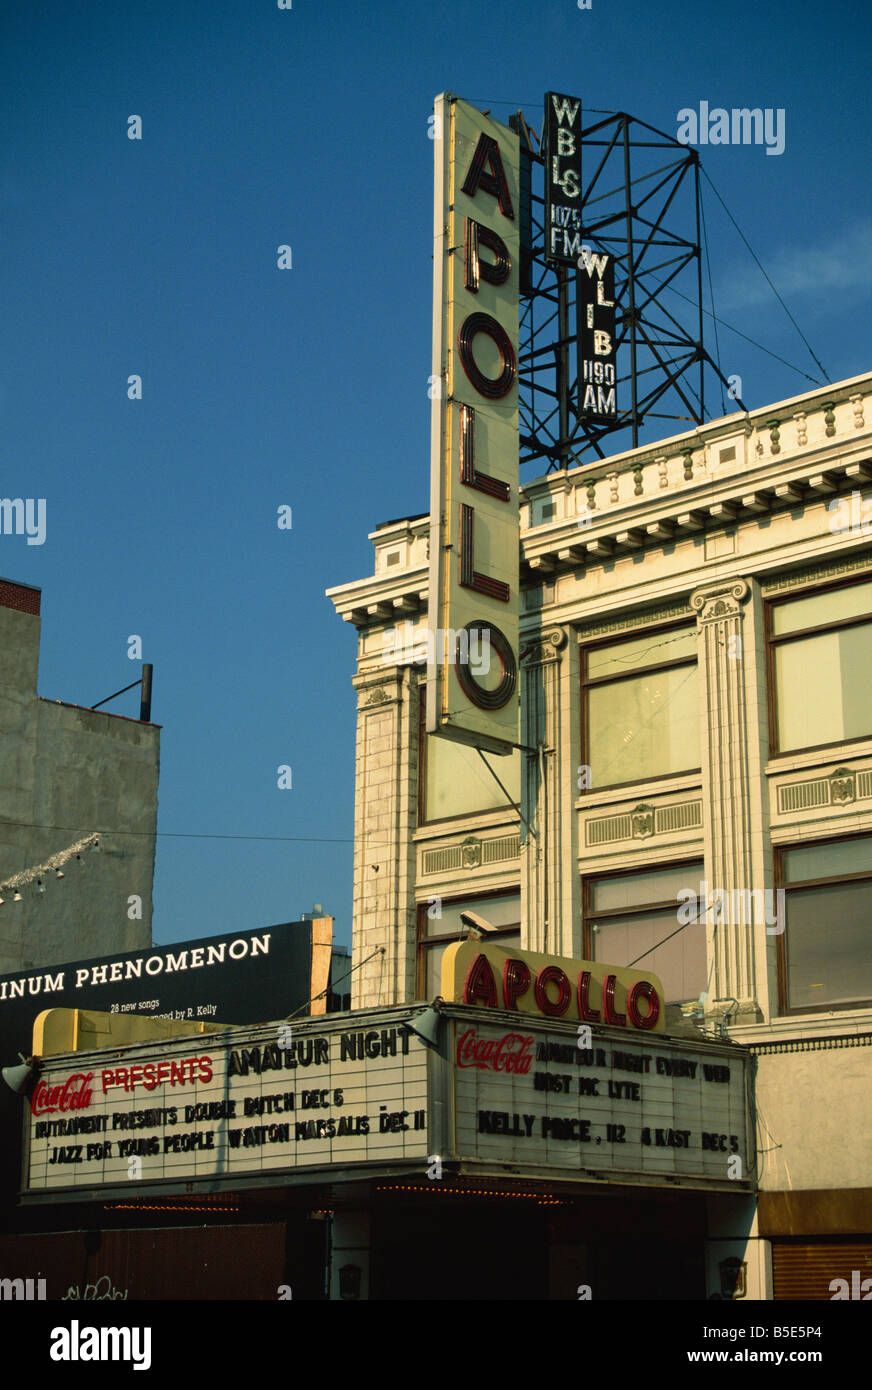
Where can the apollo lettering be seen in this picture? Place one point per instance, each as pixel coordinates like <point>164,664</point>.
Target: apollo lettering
<point>475,459</point>
<point>553,993</point>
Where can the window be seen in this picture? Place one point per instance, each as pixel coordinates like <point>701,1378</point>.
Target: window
<point>625,916</point>
<point>824,956</point>
<point>640,707</point>
<point>444,926</point>
<point>454,781</point>
<point>820,667</point>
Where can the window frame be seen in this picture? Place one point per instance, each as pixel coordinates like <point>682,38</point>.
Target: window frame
<point>587,914</point>
<point>586,684</point>
<point>423,939</point>
<point>784,1010</point>
<point>774,641</point>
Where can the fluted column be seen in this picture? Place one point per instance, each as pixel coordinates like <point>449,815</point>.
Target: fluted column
<point>549,872</point>
<point>384,822</point>
<point>730,788</point>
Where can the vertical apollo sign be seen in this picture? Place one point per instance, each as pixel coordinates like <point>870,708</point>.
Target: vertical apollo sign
<point>474,519</point>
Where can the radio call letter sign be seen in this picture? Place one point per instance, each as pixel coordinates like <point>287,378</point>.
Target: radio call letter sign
<point>562,179</point>
<point>472,688</point>
<point>596,333</point>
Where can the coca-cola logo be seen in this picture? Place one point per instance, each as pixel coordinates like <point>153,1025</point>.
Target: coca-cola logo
<point>513,1052</point>
<point>72,1094</point>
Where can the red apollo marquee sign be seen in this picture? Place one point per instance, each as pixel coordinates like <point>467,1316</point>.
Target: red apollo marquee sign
<point>552,987</point>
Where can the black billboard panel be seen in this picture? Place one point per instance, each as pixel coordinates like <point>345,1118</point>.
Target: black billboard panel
<point>562,135</point>
<point>241,977</point>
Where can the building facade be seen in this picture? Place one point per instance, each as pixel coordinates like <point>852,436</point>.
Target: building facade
<point>695,790</point>
<point>66,772</point>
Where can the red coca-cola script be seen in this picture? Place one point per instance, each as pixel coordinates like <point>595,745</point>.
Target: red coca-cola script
<point>513,1052</point>
<point>73,1094</point>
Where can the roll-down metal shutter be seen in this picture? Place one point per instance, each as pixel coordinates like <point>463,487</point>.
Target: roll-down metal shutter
<point>806,1271</point>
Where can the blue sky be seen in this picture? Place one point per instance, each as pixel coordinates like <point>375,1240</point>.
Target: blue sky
<point>308,387</point>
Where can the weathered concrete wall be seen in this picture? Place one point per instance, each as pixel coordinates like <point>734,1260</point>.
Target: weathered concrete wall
<point>65,772</point>
<point>814,1118</point>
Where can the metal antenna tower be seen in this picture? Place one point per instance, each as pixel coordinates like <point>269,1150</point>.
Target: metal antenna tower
<point>638,186</point>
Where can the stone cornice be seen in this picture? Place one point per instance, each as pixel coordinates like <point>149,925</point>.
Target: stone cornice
<point>383,598</point>
<point>803,450</point>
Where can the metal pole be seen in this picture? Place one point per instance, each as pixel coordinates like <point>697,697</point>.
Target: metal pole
<point>145,696</point>
<point>701,419</point>
<point>631,278</point>
<point>563,362</point>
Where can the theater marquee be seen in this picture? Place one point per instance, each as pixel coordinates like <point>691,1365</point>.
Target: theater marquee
<point>654,1110</point>
<point>243,1104</point>
<point>474,516</point>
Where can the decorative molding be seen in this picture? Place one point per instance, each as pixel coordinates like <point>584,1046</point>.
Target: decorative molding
<point>545,646</point>
<point>633,620</point>
<point>470,853</point>
<point>377,696</point>
<point>714,603</point>
<point>447,858</point>
<point>642,822</point>
<point>811,1044</point>
<point>798,578</point>
<point>841,787</point>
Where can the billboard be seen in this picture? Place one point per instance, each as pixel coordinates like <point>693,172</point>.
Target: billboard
<point>239,977</point>
<point>472,676</point>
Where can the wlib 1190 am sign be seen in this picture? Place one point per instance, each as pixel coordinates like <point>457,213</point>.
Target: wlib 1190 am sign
<point>597,349</point>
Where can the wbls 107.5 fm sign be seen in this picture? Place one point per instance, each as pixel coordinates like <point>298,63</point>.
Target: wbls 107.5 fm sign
<point>565,246</point>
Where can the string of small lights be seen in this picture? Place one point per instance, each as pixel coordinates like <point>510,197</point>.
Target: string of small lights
<point>39,872</point>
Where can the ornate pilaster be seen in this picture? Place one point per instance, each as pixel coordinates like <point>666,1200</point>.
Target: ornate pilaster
<point>548,876</point>
<point>727,792</point>
<point>384,822</point>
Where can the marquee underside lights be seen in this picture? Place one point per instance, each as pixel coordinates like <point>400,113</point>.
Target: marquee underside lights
<point>474,517</point>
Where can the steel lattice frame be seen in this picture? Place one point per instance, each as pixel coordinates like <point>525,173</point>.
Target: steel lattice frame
<point>632,177</point>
